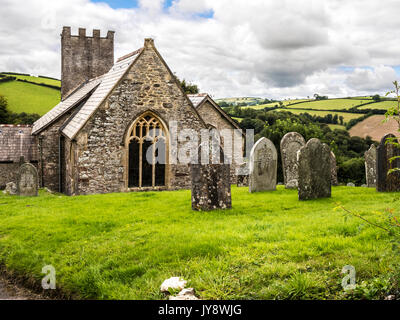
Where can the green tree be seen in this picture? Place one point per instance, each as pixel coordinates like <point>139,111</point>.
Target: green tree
<point>4,114</point>
<point>189,88</point>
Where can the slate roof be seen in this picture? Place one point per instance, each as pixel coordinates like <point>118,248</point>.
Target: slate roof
<point>198,100</point>
<point>16,141</point>
<point>108,82</point>
<point>64,106</point>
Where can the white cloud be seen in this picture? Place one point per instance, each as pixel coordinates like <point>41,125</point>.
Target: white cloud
<point>255,48</point>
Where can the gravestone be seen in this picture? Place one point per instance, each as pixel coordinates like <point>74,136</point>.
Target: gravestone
<point>211,187</point>
<point>334,179</point>
<point>386,182</point>
<point>351,184</point>
<point>314,170</point>
<point>290,145</point>
<point>27,180</point>
<point>263,166</point>
<point>370,166</point>
<point>243,175</point>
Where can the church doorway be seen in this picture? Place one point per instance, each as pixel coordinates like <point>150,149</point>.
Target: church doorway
<point>147,153</point>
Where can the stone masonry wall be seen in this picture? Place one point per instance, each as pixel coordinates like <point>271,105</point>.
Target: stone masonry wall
<point>100,147</point>
<point>214,118</point>
<point>84,58</point>
<point>8,173</point>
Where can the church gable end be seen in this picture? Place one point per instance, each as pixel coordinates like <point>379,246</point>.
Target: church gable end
<point>147,87</point>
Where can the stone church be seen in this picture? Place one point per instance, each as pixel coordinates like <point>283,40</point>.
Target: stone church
<point>95,139</point>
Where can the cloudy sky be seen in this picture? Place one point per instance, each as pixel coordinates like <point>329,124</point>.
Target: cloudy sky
<point>230,48</point>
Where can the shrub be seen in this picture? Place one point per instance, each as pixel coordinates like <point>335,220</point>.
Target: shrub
<point>352,170</point>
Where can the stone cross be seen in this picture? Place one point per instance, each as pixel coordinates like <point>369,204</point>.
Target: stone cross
<point>386,182</point>
<point>370,166</point>
<point>211,187</point>
<point>27,180</point>
<point>334,178</point>
<point>263,166</point>
<point>314,170</point>
<point>290,145</point>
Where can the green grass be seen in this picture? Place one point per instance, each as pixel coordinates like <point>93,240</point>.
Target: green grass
<point>337,104</point>
<point>336,126</point>
<point>37,79</point>
<point>383,105</point>
<point>269,246</point>
<point>29,98</point>
<point>346,115</point>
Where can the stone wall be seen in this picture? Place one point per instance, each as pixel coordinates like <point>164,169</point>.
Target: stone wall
<point>100,150</point>
<point>8,173</point>
<point>84,58</point>
<point>214,118</point>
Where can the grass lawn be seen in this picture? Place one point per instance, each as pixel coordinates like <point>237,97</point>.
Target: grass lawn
<point>269,246</point>
<point>37,79</point>
<point>29,98</point>
<point>383,105</point>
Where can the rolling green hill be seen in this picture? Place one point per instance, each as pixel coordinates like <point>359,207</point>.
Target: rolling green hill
<point>28,97</point>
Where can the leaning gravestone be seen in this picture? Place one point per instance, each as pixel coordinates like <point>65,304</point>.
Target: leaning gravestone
<point>290,145</point>
<point>314,170</point>
<point>263,166</point>
<point>211,187</point>
<point>370,166</point>
<point>385,181</point>
<point>243,175</point>
<point>334,179</point>
<point>27,180</point>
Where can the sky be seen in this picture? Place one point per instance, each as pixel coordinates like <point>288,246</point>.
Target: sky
<point>229,48</point>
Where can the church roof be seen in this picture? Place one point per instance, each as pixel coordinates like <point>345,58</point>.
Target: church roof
<point>200,98</point>
<point>78,95</point>
<point>16,141</point>
<point>108,82</point>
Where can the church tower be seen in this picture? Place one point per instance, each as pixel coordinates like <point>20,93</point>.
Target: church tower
<point>84,57</point>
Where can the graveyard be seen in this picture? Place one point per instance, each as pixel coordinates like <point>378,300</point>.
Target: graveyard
<point>269,245</point>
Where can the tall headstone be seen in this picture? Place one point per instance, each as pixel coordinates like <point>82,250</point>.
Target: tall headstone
<point>334,178</point>
<point>385,181</point>
<point>243,175</point>
<point>211,187</point>
<point>314,170</point>
<point>27,181</point>
<point>370,166</point>
<point>290,145</point>
<point>263,166</point>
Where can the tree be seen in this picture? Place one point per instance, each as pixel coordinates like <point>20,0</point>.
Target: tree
<point>4,114</point>
<point>189,88</point>
<point>376,98</point>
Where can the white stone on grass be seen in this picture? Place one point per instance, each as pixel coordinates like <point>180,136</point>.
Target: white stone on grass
<point>185,294</point>
<point>174,283</point>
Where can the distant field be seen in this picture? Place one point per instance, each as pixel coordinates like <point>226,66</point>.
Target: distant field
<point>29,98</point>
<point>383,105</point>
<point>336,126</point>
<point>37,79</point>
<point>338,104</point>
<point>373,127</point>
<point>273,104</point>
<point>346,116</point>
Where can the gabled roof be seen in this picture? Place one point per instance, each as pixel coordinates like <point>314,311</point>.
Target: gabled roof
<point>16,141</point>
<point>67,104</point>
<point>199,99</point>
<point>108,82</point>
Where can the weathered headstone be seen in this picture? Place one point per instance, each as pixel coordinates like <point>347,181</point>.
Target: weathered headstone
<point>290,145</point>
<point>334,179</point>
<point>314,170</point>
<point>263,166</point>
<point>211,187</point>
<point>243,175</point>
<point>370,166</point>
<point>351,184</point>
<point>27,180</point>
<point>386,182</point>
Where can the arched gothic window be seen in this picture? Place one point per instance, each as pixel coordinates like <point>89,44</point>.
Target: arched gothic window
<point>147,153</point>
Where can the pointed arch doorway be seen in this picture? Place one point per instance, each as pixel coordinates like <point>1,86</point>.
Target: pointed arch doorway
<point>147,153</point>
